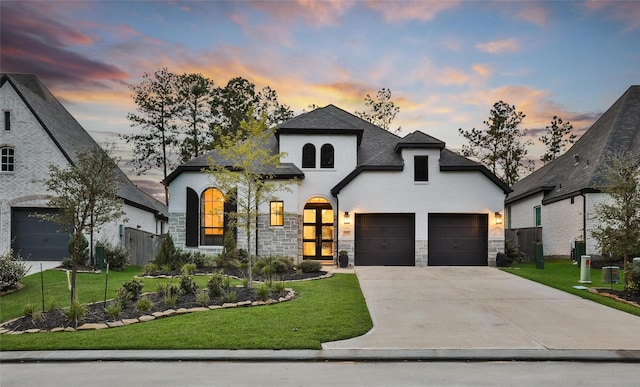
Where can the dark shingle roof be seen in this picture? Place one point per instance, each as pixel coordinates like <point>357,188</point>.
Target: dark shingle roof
<point>69,136</point>
<point>378,149</point>
<point>580,169</point>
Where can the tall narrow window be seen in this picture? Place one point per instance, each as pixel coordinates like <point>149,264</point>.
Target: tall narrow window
<point>7,159</point>
<point>308,156</point>
<point>212,217</point>
<point>537,213</point>
<point>7,120</point>
<point>277,213</point>
<point>421,168</point>
<point>326,156</point>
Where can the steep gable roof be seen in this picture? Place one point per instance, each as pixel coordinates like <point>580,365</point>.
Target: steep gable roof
<point>68,135</point>
<point>378,149</point>
<point>580,169</point>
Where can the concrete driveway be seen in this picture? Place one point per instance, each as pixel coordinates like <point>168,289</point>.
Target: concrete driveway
<point>482,308</point>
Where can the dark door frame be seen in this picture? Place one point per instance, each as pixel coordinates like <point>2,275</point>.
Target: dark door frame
<point>319,238</point>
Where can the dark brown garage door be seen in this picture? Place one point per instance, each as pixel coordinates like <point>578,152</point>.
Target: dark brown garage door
<point>458,239</point>
<point>385,240</point>
<point>35,239</point>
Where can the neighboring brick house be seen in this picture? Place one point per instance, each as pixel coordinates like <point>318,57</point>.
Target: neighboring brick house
<point>557,202</point>
<point>35,132</point>
<point>386,200</point>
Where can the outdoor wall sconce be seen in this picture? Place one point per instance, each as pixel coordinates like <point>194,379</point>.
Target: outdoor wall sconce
<point>347,218</point>
<point>498,218</point>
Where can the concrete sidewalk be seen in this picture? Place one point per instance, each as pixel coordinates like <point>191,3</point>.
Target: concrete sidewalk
<point>482,308</point>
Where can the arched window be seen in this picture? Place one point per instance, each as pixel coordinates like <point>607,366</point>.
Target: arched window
<point>7,159</point>
<point>326,156</point>
<point>308,156</point>
<point>212,217</point>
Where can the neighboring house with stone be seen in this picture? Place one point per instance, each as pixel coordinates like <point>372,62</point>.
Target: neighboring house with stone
<point>35,132</point>
<point>384,199</point>
<point>555,205</point>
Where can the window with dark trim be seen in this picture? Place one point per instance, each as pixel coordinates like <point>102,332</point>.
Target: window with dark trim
<point>212,217</point>
<point>537,213</point>
<point>308,156</point>
<point>421,168</point>
<point>7,159</point>
<point>7,120</point>
<point>326,156</point>
<point>277,213</point>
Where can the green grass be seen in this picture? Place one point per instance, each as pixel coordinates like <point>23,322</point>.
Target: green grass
<point>563,275</point>
<point>324,310</point>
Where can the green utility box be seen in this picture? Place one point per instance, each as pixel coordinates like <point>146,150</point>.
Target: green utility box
<point>100,257</point>
<point>579,251</point>
<point>539,256</point>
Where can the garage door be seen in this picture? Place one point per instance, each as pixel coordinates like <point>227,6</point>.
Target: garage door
<point>385,240</point>
<point>458,239</point>
<point>35,239</point>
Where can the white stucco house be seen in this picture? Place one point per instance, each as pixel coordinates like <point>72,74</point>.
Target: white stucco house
<point>384,199</point>
<point>36,131</point>
<point>556,202</point>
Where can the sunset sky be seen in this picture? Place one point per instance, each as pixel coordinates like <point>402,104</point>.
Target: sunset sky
<point>446,62</point>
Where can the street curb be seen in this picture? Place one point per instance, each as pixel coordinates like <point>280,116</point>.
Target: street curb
<point>331,355</point>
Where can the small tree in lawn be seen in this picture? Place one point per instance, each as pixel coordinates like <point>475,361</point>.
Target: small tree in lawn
<point>245,179</point>
<point>618,228</point>
<point>86,193</point>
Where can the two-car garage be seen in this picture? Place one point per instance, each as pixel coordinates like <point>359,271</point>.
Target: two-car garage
<point>453,239</point>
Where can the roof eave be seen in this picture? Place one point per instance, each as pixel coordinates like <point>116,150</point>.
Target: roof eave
<point>478,168</point>
<point>380,168</point>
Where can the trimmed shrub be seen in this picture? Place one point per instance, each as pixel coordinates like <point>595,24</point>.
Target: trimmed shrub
<point>187,284</point>
<point>12,270</point>
<point>310,266</point>
<point>128,292</point>
<point>168,255</point>
<point>634,280</point>
<point>188,269</point>
<point>116,256</point>
<point>215,285</point>
<point>75,312</point>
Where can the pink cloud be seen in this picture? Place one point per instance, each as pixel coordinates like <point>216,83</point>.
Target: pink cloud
<point>397,11</point>
<point>33,41</point>
<point>499,46</point>
<point>314,12</point>
<point>627,12</point>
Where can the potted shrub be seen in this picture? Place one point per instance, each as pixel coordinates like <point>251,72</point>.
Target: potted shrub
<point>343,258</point>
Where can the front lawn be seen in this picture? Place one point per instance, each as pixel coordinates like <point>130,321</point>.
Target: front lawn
<point>323,310</point>
<point>563,275</point>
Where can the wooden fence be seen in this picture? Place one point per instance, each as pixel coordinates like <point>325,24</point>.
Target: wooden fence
<point>525,239</point>
<point>142,245</point>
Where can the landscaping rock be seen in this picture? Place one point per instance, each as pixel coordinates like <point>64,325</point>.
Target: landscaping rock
<point>91,327</point>
<point>146,318</point>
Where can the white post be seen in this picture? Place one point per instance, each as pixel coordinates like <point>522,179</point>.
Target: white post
<point>585,269</point>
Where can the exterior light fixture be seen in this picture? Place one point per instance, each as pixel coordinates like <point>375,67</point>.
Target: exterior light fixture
<point>347,218</point>
<point>498,218</point>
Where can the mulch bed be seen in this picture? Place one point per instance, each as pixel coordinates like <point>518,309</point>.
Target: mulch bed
<point>628,297</point>
<point>97,312</point>
<point>291,275</point>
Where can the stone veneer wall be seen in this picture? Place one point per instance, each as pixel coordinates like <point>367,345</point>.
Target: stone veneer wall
<point>495,246</point>
<point>422,252</point>
<point>279,240</point>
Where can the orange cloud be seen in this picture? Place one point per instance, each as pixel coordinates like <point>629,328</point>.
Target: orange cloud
<point>396,11</point>
<point>313,12</point>
<point>499,46</point>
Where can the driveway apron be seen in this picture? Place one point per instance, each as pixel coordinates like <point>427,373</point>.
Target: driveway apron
<point>482,307</point>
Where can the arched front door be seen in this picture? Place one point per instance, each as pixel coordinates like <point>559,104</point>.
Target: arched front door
<point>317,231</point>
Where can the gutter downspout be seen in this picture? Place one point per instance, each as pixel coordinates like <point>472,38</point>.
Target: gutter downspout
<point>337,231</point>
<point>584,221</point>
